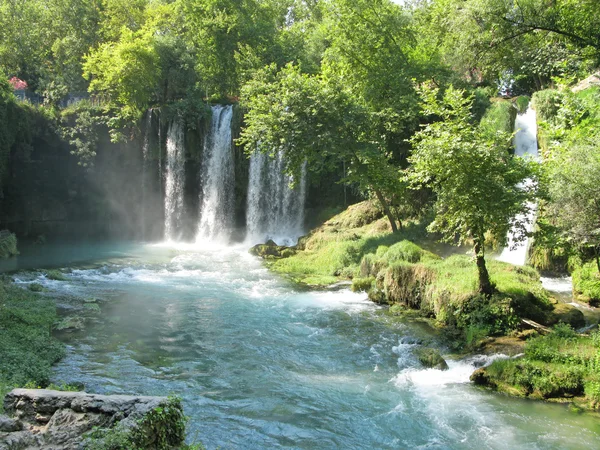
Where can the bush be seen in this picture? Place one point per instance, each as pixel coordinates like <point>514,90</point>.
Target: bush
<point>362,284</point>
<point>547,103</point>
<point>499,117</point>
<point>522,103</point>
<point>162,428</point>
<point>8,245</point>
<point>586,283</point>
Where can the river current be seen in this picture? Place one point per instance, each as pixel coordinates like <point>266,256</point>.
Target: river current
<point>261,364</point>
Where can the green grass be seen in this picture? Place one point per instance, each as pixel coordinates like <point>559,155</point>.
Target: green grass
<point>586,283</point>
<point>27,348</point>
<point>403,269</point>
<point>334,250</point>
<point>561,365</point>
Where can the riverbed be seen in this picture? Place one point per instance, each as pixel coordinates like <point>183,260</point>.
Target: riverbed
<point>262,364</point>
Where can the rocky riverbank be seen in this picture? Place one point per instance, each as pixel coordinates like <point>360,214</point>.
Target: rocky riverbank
<point>47,419</point>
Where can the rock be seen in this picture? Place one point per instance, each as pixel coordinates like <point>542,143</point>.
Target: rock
<point>60,420</point>
<point>270,250</point>
<point>568,314</point>
<point>9,425</point>
<point>480,377</point>
<point>430,358</point>
<point>71,323</point>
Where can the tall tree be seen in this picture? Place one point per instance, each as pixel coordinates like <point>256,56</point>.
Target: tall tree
<point>480,187</point>
<point>315,122</point>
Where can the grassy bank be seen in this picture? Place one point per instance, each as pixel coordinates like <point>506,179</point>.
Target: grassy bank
<point>406,271</point>
<point>27,348</point>
<point>562,366</point>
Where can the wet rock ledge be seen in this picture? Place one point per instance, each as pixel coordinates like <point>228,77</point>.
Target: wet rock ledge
<point>57,420</point>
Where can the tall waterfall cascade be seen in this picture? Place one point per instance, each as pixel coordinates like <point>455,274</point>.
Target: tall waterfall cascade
<point>525,142</point>
<point>274,210</point>
<point>174,180</point>
<point>217,193</point>
<point>145,162</point>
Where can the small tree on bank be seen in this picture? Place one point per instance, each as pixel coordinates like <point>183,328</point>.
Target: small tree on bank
<point>480,188</point>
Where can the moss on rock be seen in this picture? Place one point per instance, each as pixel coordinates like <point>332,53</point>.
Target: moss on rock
<point>8,244</point>
<point>430,358</point>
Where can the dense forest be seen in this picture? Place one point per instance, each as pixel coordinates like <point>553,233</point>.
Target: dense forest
<point>408,106</point>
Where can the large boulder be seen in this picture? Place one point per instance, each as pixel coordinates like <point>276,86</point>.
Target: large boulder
<point>270,250</point>
<point>46,419</point>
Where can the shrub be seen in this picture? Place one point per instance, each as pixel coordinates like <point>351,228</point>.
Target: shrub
<point>8,245</point>
<point>362,284</point>
<point>547,103</point>
<point>586,283</point>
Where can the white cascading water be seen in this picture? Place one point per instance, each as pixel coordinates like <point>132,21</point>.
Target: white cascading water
<point>274,210</point>
<point>174,180</point>
<point>216,207</point>
<point>525,146</point>
<point>145,157</point>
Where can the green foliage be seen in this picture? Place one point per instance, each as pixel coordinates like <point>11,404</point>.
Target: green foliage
<point>362,284</point>
<point>27,348</point>
<point>586,283</point>
<point>35,287</point>
<point>80,126</point>
<point>55,275</point>
<point>477,183</point>
<point>561,364</point>
<point>522,103</point>
<point>8,245</point>
<point>547,103</point>
<point>498,118</point>
<point>162,428</point>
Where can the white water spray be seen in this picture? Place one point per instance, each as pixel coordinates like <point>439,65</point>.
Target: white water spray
<point>216,207</point>
<point>175,178</point>
<point>525,146</point>
<point>275,210</point>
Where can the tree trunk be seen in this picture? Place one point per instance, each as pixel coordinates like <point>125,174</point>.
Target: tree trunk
<point>485,285</point>
<point>386,210</point>
<point>597,251</point>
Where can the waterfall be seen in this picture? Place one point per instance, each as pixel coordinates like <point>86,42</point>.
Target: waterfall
<point>174,180</point>
<point>145,174</point>
<point>525,142</point>
<point>216,201</point>
<point>274,210</point>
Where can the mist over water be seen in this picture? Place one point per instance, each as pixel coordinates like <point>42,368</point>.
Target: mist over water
<point>275,209</point>
<point>260,364</point>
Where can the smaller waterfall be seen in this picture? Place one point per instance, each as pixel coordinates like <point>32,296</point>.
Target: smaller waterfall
<point>274,210</point>
<point>174,180</point>
<point>145,169</point>
<point>216,202</point>
<point>525,142</point>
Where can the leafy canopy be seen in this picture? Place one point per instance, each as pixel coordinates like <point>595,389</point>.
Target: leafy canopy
<point>479,186</point>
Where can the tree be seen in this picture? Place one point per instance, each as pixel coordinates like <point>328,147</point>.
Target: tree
<point>575,193</point>
<point>526,42</point>
<point>315,122</point>
<point>480,187</point>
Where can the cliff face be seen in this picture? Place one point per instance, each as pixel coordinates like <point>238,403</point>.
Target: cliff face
<point>121,194</point>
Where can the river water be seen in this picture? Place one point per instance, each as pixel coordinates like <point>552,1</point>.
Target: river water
<point>261,364</point>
